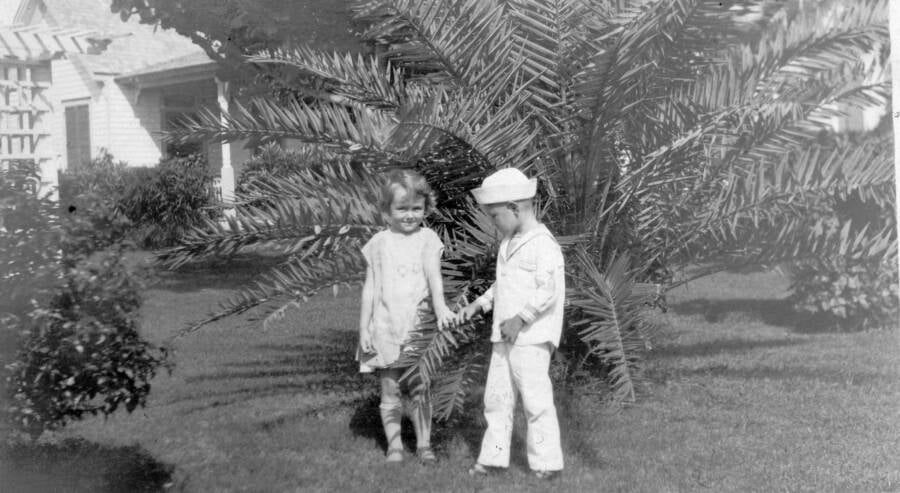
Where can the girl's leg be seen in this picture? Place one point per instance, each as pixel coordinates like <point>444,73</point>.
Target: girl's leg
<point>391,412</point>
<point>420,413</point>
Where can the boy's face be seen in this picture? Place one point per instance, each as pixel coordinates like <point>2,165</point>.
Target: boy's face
<point>406,213</point>
<point>503,216</point>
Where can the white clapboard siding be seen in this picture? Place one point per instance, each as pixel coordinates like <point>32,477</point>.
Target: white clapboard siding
<point>129,124</point>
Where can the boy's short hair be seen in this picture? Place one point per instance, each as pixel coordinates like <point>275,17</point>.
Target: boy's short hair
<point>411,181</point>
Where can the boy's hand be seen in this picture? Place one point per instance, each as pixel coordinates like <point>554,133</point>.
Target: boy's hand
<point>510,328</point>
<point>467,313</point>
<point>445,317</point>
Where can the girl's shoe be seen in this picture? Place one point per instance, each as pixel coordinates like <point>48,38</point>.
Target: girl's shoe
<point>426,455</point>
<point>394,455</point>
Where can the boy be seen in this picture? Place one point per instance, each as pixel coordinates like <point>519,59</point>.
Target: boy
<point>527,299</point>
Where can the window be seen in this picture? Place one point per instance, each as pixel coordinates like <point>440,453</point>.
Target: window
<point>78,136</point>
<point>176,109</point>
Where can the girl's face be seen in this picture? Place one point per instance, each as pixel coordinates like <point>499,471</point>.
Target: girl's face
<point>406,213</point>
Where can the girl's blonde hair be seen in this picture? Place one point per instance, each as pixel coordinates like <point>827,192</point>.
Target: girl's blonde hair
<point>411,181</point>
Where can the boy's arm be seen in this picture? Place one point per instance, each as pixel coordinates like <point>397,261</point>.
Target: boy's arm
<point>549,260</point>
<point>486,300</point>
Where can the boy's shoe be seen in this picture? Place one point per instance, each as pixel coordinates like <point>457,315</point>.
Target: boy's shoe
<point>394,455</point>
<point>547,475</point>
<point>426,455</point>
<point>483,470</point>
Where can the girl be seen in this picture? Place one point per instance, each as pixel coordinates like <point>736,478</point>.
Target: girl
<point>403,271</point>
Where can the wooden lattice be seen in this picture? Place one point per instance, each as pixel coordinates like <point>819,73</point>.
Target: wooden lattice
<point>24,109</point>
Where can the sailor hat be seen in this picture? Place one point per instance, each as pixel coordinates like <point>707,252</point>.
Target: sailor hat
<point>505,185</point>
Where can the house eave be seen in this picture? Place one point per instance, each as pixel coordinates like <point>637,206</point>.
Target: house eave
<point>180,75</point>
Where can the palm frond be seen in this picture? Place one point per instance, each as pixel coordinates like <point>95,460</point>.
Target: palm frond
<point>611,320</point>
<point>344,129</point>
<point>313,209</point>
<point>553,39</point>
<point>342,77</point>
<point>464,41</point>
<point>298,278</point>
<point>782,208</point>
<point>450,388</point>
<point>491,128</point>
<point>811,44</point>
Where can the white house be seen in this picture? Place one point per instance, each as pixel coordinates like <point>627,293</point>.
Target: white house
<point>76,79</point>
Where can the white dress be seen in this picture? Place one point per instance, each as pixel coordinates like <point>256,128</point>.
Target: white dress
<point>400,287</point>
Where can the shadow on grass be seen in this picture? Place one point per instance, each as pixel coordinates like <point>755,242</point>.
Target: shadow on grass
<point>230,273</point>
<point>76,466</point>
<point>772,312</point>
<point>722,346</point>
<point>778,312</point>
<point>469,428</point>
<point>791,373</point>
<point>324,368</point>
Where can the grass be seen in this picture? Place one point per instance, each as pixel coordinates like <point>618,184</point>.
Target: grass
<point>738,400</point>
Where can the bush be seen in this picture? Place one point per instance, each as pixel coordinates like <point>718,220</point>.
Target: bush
<point>166,201</point>
<point>30,242</point>
<point>90,199</point>
<point>150,206</point>
<point>848,295</point>
<point>82,353</point>
<point>70,306</point>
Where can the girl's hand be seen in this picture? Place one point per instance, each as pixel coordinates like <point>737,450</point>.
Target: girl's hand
<point>467,313</point>
<point>365,341</point>
<point>445,317</point>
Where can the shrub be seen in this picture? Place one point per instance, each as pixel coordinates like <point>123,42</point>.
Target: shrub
<point>848,295</point>
<point>151,206</point>
<point>102,175</point>
<point>166,201</point>
<point>82,352</point>
<point>29,242</point>
<point>70,306</point>
<point>90,199</point>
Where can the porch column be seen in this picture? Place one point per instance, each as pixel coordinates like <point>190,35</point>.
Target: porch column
<point>227,172</point>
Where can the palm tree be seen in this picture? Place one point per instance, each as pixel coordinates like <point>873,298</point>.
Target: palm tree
<point>664,135</point>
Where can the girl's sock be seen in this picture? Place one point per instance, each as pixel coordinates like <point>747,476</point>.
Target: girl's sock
<point>420,415</point>
<point>391,416</point>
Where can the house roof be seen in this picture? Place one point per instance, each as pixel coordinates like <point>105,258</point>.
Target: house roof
<point>129,50</point>
<point>192,67</point>
<point>121,47</point>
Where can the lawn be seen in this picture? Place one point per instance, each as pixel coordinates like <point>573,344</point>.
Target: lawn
<point>738,400</point>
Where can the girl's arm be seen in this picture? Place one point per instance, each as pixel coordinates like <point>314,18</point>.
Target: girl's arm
<point>365,312</point>
<point>445,317</point>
